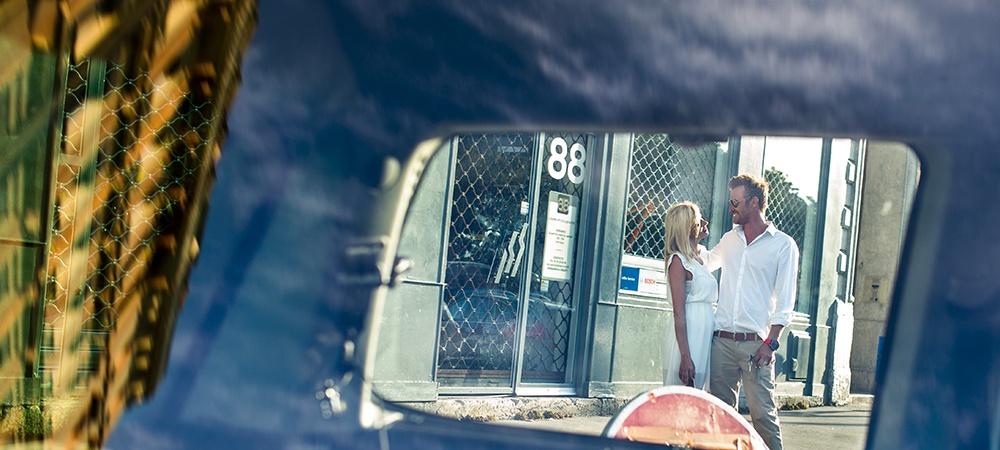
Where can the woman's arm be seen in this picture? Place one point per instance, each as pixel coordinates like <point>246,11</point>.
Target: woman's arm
<point>677,275</point>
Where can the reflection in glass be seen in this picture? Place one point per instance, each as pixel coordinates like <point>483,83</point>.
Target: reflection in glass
<point>107,165</point>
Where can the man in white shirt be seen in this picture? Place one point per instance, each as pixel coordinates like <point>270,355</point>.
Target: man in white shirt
<point>756,297</point>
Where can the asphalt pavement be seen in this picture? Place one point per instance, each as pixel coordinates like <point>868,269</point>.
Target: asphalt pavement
<point>825,427</point>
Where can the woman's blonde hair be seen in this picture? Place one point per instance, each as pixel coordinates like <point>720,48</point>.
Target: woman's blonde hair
<point>681,224</point>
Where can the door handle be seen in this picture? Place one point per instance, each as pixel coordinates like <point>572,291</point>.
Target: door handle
<point>419,282</point>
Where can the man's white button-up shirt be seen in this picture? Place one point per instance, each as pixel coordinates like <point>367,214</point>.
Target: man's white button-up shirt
<point>757,289</point>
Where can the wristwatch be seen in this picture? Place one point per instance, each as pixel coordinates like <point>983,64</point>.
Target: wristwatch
<point>772,344</point>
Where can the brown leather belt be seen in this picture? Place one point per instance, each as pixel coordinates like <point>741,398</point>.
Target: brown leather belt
<point>742,337</point>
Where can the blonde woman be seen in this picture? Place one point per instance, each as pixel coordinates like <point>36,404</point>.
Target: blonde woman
<point>693,293</point>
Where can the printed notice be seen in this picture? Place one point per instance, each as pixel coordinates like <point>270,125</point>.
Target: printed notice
<point>560,237</point>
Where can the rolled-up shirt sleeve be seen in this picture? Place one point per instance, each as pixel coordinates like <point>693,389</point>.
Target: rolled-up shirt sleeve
<point>784,284</point>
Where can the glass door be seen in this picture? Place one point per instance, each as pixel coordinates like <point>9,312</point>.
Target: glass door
<point>486,260</point>
<point>506,317</point>
<point>551,300</point>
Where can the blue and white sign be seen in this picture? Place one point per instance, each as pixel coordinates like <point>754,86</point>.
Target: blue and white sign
<point>643,281</point>
<point>630,279</point>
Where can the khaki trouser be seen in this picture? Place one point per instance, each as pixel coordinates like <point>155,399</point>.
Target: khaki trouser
<point>731,368</point>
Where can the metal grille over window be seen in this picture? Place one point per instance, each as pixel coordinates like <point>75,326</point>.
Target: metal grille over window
<point>662,173</point>
<point>487,250</point>
<point>509,298</point>
<point>133,151</point>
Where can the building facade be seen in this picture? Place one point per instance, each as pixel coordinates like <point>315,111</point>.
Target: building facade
<point>539,263</point>
<point>893,172</point>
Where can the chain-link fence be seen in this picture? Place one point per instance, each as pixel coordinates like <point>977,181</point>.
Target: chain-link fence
<point>663,173</point>
<point>786,208</point>
<point>795,215</point>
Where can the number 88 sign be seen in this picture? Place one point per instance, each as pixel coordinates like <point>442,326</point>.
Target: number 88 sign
<point>567,161</point>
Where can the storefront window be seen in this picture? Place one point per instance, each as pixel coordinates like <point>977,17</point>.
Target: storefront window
<point>665,171</point>
<point>792,167</point>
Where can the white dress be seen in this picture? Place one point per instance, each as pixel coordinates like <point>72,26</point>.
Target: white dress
<point>702,295</point>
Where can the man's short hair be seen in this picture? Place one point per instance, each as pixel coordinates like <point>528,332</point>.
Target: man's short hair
<point>754,186</point>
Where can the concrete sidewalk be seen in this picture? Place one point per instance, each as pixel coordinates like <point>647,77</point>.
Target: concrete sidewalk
<point>823,427</point>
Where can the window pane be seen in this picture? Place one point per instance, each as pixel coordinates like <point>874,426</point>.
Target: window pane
<point>792,168</point>
<point>664,172</point>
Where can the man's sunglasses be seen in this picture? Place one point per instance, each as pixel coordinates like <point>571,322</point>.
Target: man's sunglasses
<point>735,203</point>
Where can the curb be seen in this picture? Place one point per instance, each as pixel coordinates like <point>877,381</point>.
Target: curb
<point>862,400</point>
<point>489,409</point>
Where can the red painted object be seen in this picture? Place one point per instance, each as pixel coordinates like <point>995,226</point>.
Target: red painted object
<point>683,416</point>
